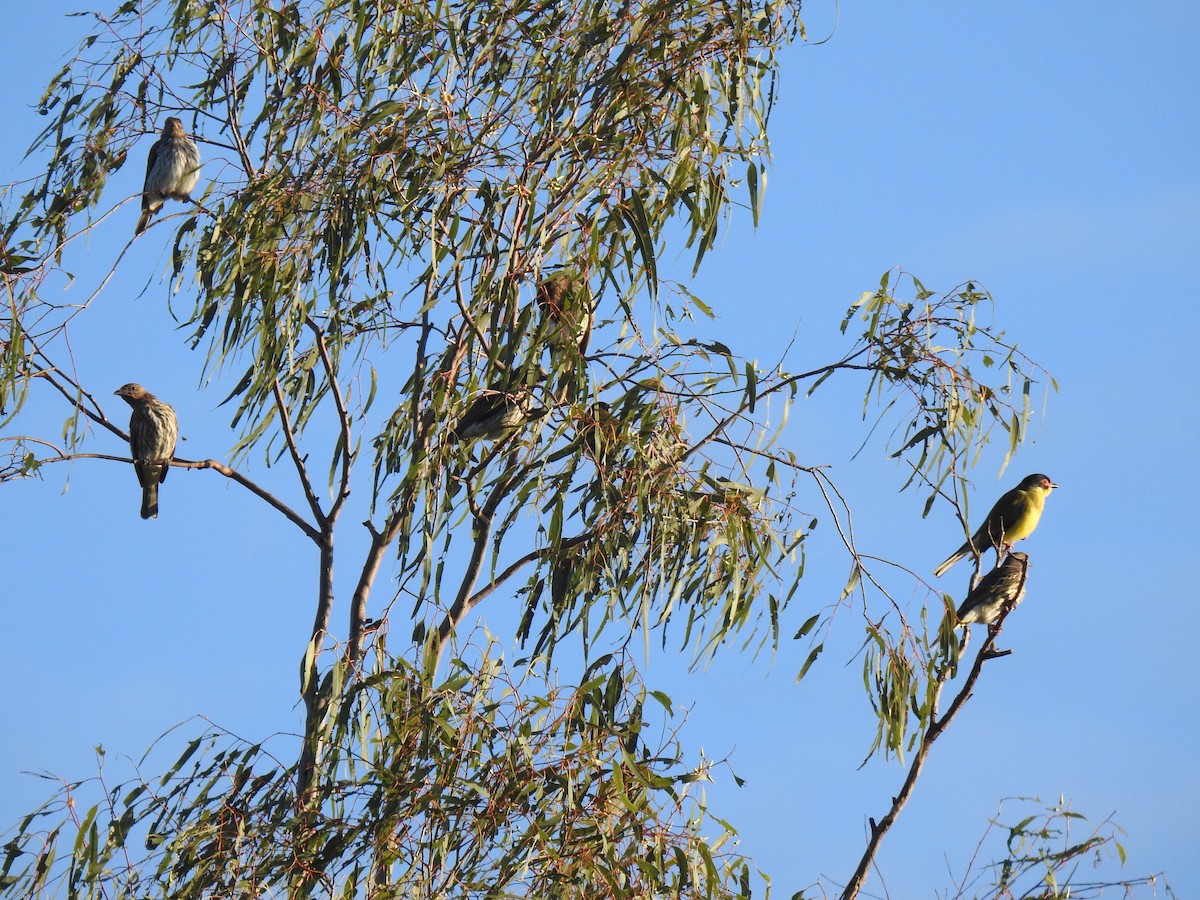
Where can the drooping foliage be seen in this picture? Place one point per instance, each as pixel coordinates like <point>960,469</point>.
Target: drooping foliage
<point>478,790</point>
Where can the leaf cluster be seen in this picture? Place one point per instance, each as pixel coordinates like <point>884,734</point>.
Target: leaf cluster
<point>471,788</point>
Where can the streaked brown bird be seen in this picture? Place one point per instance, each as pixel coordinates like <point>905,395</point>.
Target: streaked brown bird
<point>1000,589</point>
<point>566,306</point>
<point>153,431</point>
<point>171,171</point>
<point>600,432</point>
<point>496,414</point>
<point>1012,519</point>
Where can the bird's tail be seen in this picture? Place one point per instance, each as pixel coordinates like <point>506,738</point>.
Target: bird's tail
<point>150,501</point>
<point>151,203</point>
<point>950,560</point>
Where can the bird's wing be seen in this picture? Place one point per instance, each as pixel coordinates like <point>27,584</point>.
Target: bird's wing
<point>985,590</point>
<point>153,157</point>
<point>485,407</point>
<point>1016,507</point>
<point>999,520</point>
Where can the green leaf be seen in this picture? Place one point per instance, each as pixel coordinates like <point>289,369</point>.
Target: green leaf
<point>752,182</point>
<point>635,214</point>
<point>811,658</point>
<point>807,626</point>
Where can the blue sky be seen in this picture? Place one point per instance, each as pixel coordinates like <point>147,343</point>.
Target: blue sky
<point>1047,151</point>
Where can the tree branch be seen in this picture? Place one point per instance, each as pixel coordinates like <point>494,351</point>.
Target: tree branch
<point>51,376</point>
<point>462,603</point>
<point>315,689</point>
<point>273,501</point>
<point>343,420</point>
<point>722,425</point>
<point>932,733</point>
<point>297,460</point>
<point>380,541</point>
<point>235,122</point>
<point>221,468</point>
<point>519,563</point>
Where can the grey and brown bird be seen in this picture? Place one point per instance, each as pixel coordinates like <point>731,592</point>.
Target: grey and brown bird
<point>153,431</point>
<point>601,434</point>
<point>566,306</point>
<point>1012,519</point>
<point>495,414</point>
<point>999,590</point>
<point>172,171</point>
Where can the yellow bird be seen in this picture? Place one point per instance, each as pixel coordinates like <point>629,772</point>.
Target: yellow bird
<point>1013,518</point>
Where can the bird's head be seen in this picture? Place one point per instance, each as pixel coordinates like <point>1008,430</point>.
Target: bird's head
<point>1039,481</point>
<point>563,295</point>
<point>173,128</point>
<point>131,393</point>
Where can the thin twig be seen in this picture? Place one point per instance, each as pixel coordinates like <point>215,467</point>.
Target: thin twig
<point>218,467</point>
<point>297,460</point>
<point>53,373</point>
<point>516,565</point>
<point>294,517</point>
<point>744,407</point>
<point>343,420</point>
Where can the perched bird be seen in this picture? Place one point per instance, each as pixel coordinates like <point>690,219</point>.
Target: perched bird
<point>567,309</point>
<point>1013,518</point>
<point>496,414</point>
<point>171,171</point>
<point>1000,589</point>
<point>153,431</point>
<point>600,432</point>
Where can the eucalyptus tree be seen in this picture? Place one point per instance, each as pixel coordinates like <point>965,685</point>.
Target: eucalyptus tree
<point>426,242</point>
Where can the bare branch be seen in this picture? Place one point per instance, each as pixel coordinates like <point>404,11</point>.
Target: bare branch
<point>380,541</point>
<point>221,468</point>
<point>52,375</point>
<point>297,460</point>
<point>343,421</point>
<point>518,564</point>
<point>249,485</point>
<point>482,535</point>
